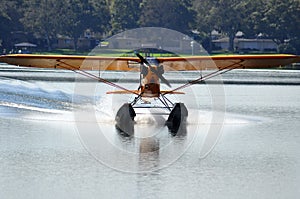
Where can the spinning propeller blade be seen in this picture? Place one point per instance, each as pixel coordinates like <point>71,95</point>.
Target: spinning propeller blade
<point>144,61</point>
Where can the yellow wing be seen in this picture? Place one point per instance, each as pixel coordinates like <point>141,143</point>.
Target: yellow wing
<point>70,62</point>
<point>227,61</point>
<point>170,63</point>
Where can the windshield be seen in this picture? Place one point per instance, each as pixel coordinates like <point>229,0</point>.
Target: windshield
<point>152,61</point>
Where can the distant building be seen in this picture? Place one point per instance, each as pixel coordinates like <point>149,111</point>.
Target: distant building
<point>245,45</point>
<point>83,43</point>
<point>176,45</point>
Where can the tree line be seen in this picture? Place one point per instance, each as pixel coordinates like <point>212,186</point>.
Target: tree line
<point>46,19</point>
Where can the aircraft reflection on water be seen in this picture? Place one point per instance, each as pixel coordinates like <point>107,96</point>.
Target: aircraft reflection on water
<point>147,139</point>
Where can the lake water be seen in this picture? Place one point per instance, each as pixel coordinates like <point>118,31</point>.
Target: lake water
<point>58,138</point>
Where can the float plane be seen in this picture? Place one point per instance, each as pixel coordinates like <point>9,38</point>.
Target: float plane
<point>151,70</point>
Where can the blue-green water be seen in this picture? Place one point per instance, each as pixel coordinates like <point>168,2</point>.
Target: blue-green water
<point>58,140</point>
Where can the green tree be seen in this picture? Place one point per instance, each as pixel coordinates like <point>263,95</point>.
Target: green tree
<point>97,16</point>
<point>204,22</point>
<point>231,16</point>
<point>81,15</point>
<point>9,21</point>
<point>173,14</point>
<point>252,21</point>
<point>43,17</point>
<point>281,21</point>
<point>48,18</point>
<point>227,16</point>
<point>125,14</point>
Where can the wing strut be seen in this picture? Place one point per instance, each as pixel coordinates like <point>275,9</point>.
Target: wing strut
<point>206,77</point>
<point>89,75</point>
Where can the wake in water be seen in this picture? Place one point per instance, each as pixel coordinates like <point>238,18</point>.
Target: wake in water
<point>29,95</point>
<point>106,109</point>
<point>26,98</point>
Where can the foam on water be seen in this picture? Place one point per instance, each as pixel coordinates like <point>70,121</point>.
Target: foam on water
<point>196,117</point>
<point>31,108</point>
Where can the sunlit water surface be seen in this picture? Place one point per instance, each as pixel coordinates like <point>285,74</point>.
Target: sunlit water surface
<point>58,140</point>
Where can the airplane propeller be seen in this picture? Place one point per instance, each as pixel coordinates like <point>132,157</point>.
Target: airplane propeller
<point>159,74</point>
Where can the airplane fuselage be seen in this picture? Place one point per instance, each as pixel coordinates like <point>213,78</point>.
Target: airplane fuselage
<point>150,84</point>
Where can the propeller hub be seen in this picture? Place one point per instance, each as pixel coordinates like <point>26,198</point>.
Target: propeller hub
<point>158,70</point>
